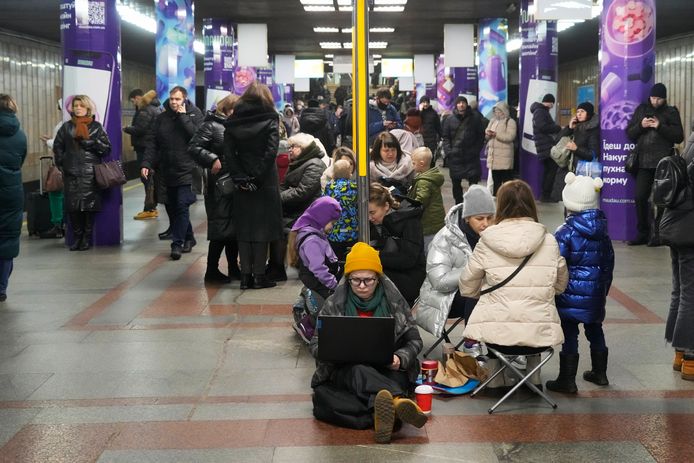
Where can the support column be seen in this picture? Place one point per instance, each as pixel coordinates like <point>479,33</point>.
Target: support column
<point>538,76</point>
<point>90,37</point>
<point>627,44</point>
<point>220,57</point>
<point>175,58</point>
<point>360,107</point>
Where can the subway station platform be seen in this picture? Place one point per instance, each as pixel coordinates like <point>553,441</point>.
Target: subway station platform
<point>122,355</point>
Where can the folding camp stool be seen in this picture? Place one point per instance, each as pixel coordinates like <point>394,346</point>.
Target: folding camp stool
<point>506,355</point>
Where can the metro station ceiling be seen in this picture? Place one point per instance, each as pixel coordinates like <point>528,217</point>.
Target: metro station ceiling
<point>419,29</point>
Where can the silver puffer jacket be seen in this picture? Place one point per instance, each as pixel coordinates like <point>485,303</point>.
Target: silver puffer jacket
<point>448,255</point>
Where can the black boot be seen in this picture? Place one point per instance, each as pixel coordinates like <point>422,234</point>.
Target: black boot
<point>275,269</point>
<point>246,280</point>
<point>77,243</point>
<point>86,242</point>
<point>231,249</point>
<point>213,275</point>
<point>261,281</point>
<point>77,223</point>
<point>598,373</point>
<point>566,381</point>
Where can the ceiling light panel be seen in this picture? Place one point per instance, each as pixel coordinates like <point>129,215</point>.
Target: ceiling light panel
<point>318,8</point>
<point>317,2</point>
<point>376,45</point>
<point>345,8</point>
<point>389,9</point>
<point>330,45</point>
<point>390,2</point>
<point>326,29</point>
<point>382,30</point>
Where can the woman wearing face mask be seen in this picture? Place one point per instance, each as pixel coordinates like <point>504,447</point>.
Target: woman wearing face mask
<point>396,232</point>
<point>389,165</point>
<point>80,144</point>
<point>439,297</point>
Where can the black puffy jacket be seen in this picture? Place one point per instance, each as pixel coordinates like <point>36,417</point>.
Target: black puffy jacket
<point>302,185</point>
<point>431,128</point>
<point>167,144</point>
<point>463,151</point>
<point>77,160</point>
<point>147,111</point>
<point>654,144</point>
<point>315,121</point>
<point>207,146</point>
<point>586,135</point>
<point>544,129</point>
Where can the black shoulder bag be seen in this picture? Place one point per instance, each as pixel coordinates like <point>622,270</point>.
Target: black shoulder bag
<point>509,278</point>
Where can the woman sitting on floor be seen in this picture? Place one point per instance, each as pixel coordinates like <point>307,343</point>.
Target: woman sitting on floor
<point>362,396</point>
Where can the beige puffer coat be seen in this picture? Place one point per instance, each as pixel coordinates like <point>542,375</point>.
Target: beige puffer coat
<point>500,148</point>
<point>521,313</point>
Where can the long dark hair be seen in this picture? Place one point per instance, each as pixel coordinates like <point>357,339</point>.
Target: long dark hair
<point>257,93</point>
<point>515,200</point>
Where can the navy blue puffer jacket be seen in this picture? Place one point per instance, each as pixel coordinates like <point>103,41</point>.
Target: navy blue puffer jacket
<point>584,243</point>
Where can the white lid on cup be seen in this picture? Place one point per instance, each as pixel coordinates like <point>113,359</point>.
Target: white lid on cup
<point>424,389</point>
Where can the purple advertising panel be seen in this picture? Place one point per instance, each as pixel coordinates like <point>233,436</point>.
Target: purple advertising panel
<point>451,82</point>
<point>426,90</point>
<point>175,60</point>
<point>282,94</point>
<point>538,76</point>
<point>627,42</point>
<point>493,64</point>
<point>90,36</point>
<point>218,38</point>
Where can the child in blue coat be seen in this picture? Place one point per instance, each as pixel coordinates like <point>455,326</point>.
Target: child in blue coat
<point>311,253</point>
<point>345,233</point>
<point>586,246</point>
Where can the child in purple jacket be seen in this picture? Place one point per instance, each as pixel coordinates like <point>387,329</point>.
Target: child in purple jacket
<point>311,253</point>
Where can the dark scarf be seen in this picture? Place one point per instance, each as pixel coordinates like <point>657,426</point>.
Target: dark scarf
<point>82,127</point>
<point>377,304</point>
<point>310,152</point>
<point>472,237</point>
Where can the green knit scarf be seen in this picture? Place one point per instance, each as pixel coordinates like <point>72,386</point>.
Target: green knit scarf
<point>377,304</point>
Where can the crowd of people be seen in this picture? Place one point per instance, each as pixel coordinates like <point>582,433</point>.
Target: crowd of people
<point>423,264</point>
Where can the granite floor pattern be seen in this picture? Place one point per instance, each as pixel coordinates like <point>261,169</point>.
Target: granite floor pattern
<point>121,355</point>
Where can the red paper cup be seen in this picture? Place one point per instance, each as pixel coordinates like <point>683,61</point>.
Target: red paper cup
<point>423,396</point>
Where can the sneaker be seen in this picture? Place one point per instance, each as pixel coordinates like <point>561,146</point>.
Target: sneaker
<point>304,329</point>
<point>409,412</point>
<point>473,348</point>
<point>176,252</point>
<point>146,215</point>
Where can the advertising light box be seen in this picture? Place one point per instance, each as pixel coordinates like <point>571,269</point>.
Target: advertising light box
<point>397,67</point>
<point>308,68</point>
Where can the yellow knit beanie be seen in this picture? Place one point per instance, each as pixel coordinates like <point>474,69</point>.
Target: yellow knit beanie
<point>363,257</point>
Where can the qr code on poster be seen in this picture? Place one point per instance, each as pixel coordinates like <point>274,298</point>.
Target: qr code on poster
<point>555,45</point>
<point>97,13</point>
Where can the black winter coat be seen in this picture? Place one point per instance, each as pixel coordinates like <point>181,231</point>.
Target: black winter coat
<point>586,135</point>
<point>653,145</point>
<point>142,122</point>
<point>251,141</point>
<point>463,151</point>
<point>544,129</point>
<point>431,128</point>
<point>77,160</point>
<point>302,185</point>
<point>13,151</point>
<point>167,144</point>
<point>315,121</point>
<point>206,146</point>
<point>400,242</point>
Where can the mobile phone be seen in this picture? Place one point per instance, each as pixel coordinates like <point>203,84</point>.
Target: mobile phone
<point>88,73</point>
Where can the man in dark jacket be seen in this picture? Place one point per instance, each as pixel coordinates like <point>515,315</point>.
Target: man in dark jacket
<point>463,138</point>
<point>382,116</point>
<point>315,121</point>
<point>166,152</point>
<point>431,125</point>
<point>656,128</point>
<point>147,108</point>
<point>544,129</point>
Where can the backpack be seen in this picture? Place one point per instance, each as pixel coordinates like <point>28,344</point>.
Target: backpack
<point>671,186</point>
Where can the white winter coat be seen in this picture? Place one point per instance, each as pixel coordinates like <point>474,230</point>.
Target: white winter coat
<point>500,149</point>
<point>521,313</point>
<point>448,254</point>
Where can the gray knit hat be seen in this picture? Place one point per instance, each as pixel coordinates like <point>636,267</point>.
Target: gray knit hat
<point>478,201</point>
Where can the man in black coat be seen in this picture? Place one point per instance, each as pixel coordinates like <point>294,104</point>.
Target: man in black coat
<point>315,121</point>
<point>463,138</point>
<point>544,129</point>
<point>431,125</point>
<point>147,108</point>
<point>166,152</point>
<point>656,128</point>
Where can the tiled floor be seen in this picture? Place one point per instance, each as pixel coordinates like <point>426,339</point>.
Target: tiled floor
<point>121,355</point>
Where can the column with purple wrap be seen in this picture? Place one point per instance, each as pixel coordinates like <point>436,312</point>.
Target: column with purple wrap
<point>452,82</point>
<point>627,44</point>
<point>538,76</point>
<point>90,37</point>
<point>220,59</point>
<point>175,57</point>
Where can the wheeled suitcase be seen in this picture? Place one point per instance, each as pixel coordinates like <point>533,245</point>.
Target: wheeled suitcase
<point>38,207</point>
